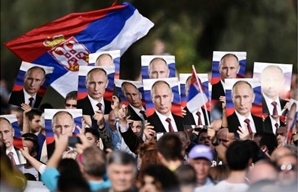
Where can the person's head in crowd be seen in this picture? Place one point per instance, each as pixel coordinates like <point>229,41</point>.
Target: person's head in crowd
<point>219,173</point>
<point>158,47</point>
<point>204,139</point>
<point>280,152</point>
<point>93,163</point>
<point>281,135</point>
<point>225,137</point>
<point>147,156</point>
<point>170,151</point>
<point>112,120</point>
<point>272,81</point>
<point>96,83</point>
<point>264,186</point>
<point>257,138</point>
<point>34,117</point>
<point>243,96</point>
<point>268,143</point>
<point>185,140</point>
<point>132,94</point>
<point>71,154</point>
<point>30,177</point>
<point>136,126</point>
<point>262,170</point>
<point>121,170</point>
<point>291,116</point>
<point>44,106</point>
<point>200,157</point>
<point>287,167</point>
<point>162,97</point>
<point>18,112</point>
<point>104,60</point>
<point>186,176</point>
<point>229,66</point>
<point>70,101</point>
<point>63,123</point>
<point>92,136</point>
<point>7,133</point>
<point>239,156</point>
<point>30,140</point>
<point>158,68</point>
<point>158,178</point>
<point>255,151</point>
<point>33,79</point>
<point>71,178</point>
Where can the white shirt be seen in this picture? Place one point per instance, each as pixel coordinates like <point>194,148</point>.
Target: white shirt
<point>270,106</point>
<point>165,123</point>
<point>209,184</point>
<point>273,122</point>
<point>224,186</point>
<point>94,103</point>
<point>223,85</point>
<point>32,171</point>
<point>243,124</point>
<point>27,96</point>
<point>196,117</point>
<point>137,111</point>
<point>15,155</point>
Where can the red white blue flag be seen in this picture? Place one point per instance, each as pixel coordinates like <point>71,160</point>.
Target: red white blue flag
<point>66,42</point>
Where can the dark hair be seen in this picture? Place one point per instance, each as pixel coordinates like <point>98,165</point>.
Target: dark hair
<point>238,155</point>
<point>93,131</point>
<point>30,177</point>
<point>71,178</point>
<point>170,146</point>
<point>32,113</point>
<point>256,152</point>
<point>94,161</point>
<point>161,175</point>
<point>71,95</point>
<point>44,106</point>
<point>186,175</point>
<point>34,139</point>
<point>269,140</point>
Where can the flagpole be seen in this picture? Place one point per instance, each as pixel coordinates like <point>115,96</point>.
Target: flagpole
<point>201,91</point>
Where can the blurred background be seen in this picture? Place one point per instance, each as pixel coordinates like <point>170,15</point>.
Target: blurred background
<point>189,29</point>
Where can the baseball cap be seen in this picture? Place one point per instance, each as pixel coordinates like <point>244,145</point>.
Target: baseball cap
<point>201,151</point>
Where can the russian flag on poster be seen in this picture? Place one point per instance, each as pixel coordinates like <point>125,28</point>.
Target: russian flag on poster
<point>196,96</point>
<point>76,115</point>
<point>17,141</point>
<point>66,42</point>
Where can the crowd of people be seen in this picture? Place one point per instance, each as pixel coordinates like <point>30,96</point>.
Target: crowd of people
<point>120,149</point>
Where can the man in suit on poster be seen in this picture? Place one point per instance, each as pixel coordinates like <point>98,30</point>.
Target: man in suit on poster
<point>272,82</point>
<point>134,98</point>
<point>7,132</point>
<point>163,120</point>
<point>243,98</point>
<point>33,79</point>
<point>96,83</point>
<point>228,68</point>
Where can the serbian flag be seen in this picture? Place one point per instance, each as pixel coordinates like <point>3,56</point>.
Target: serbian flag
<point>66,42</point>
<point>196,96</point>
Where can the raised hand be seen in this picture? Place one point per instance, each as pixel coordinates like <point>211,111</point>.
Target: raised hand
<point>243,133</point>
<point>98,116</point>
<point>26,107</point>
<point>149,132</point>
<point>183,111</point>
<point>115,102</point>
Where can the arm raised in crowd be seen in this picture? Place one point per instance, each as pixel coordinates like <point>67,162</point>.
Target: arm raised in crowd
<point>26,108</point>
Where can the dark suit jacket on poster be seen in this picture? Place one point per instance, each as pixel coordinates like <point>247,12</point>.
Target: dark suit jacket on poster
<point>158,127</point>
<point>267,126</point>
<point>133,115</point>
<point>85,104</point>
<point>217,91</point>
<point>50,149</point>
<point>17,98</point>
<point>265,108</point>
<point>234,123</point>
<point>188,119</point>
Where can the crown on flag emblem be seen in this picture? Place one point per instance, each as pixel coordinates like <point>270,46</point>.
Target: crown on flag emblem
<point>69,53</point>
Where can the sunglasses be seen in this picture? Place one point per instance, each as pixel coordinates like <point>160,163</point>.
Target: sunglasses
<point>70,105</point>
<point>286,167</point>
